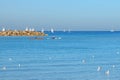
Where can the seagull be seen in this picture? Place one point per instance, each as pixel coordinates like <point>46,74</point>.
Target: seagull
<point>117,52</point>
<point>99,68</point>
<point>4,68</point>
<point>59,38</point>
<point>19,65</point>
<point>113,66</point>
<point>107,72</point>
<point>10,59</point>
<point>50,58</point>
<point>83,61</point>
<point>93,56</point>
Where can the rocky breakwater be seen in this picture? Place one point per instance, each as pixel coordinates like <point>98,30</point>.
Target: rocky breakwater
<point>21,33</point>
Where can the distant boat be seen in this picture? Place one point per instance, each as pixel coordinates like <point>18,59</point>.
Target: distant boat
<point>64,30</point>
<point>42,30</point>
<point>3,29</point>
<point>111,30</point>
<point>52,31</point>
<point>26,29</point>
<point>68,30</point>
<point>32,29</point>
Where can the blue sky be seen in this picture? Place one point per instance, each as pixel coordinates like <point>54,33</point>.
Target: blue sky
<point>60,14</point>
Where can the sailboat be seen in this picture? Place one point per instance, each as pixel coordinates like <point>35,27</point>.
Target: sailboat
<point>64,30</point>
<point>26,29</point>
<point>32,29</point>
<point>111,30</point>
<point>69,30</point>
<point>42,30</point>
<point>3,29</point>
<point>52,31</point>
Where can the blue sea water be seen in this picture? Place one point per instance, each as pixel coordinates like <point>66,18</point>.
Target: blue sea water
<point>73,55</point>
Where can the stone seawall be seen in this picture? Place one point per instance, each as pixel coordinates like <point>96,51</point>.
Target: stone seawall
<point>21,33</point>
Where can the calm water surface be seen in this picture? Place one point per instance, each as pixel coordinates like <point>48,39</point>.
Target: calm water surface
<point>71,56</point>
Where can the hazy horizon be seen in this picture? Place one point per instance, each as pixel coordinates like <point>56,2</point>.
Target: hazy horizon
<point>76,15</point>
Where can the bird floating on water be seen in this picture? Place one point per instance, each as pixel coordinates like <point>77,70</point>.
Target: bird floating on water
<point>83,61</point>
<point>4,68</point>
<point>113,66</point>
<point>19,65</point>
<point>107,72</point>
<point>10,59</point>
<point>99,68</point>
<point>117,52</point>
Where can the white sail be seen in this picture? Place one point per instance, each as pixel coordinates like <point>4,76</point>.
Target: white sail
<point>26,29</point>
<point>111,30</point>
<point>52,31</point>
<point>32,29</point>
<point>64,30</point>
<point>42,30</point>
<point>69,30</point>
<point>3,29</point>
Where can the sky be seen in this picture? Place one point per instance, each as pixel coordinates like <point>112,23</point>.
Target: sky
<point>60,14</point>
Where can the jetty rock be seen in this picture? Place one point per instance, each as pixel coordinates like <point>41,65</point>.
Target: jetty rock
<point>21,33</point>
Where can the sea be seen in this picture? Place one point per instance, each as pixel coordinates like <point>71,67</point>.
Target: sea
<point>74,55</point>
